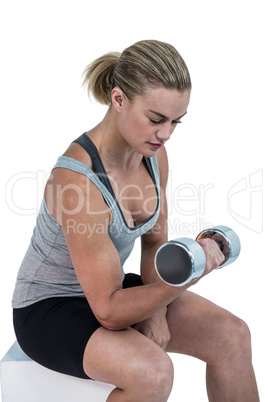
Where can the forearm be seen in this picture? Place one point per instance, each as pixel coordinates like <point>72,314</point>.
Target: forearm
<point>129,306</point>
<point>148,272</point>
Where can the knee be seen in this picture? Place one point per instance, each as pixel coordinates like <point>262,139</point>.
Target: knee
<point>237,338</point>
<point>240,332</point>
<point>159,378</point>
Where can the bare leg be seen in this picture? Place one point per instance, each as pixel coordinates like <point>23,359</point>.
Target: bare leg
<point>138,367</point>
<point>201,329</point>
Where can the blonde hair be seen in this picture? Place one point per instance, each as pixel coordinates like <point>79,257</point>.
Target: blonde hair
<point>147,63</point>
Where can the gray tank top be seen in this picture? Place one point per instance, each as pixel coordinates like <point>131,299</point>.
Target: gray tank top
<point>47,270</point>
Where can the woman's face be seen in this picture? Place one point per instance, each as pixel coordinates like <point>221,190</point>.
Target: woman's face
<point>148,121</point>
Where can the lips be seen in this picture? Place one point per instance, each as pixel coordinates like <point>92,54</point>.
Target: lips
<point>155,145</point>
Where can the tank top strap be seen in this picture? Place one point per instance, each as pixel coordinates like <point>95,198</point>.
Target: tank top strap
<point>148,165</point>
<point>91,149</point>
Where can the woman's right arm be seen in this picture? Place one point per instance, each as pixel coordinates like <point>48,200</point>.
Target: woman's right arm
<point>84,216</point>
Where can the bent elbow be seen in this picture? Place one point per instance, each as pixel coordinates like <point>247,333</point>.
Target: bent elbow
<point>110,322</point>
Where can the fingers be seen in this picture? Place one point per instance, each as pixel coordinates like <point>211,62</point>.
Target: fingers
<point>214,256</point>
<point>224,246</point>
<point>156,329</point>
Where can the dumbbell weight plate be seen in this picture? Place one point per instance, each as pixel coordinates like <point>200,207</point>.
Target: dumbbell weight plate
<point>179,261</point>
<point>227,240</point>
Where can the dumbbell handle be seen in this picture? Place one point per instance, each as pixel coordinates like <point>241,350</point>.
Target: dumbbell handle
<point>179,261</point>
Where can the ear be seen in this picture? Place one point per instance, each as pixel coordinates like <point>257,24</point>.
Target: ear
<point>117,98</point>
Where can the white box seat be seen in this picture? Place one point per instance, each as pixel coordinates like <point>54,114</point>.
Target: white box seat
<point>24,380</point>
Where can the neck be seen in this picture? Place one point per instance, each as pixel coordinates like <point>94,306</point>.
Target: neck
<point>115,152</point>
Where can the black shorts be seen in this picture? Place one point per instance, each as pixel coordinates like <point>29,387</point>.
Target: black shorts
<point>54,332</point>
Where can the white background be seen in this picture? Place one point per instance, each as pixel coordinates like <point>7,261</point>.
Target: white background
<point>217,156</point>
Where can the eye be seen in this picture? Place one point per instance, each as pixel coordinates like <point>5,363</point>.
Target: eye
<point>161,121</point>
<point>156,121</point>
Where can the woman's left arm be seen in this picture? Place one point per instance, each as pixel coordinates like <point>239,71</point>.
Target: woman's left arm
<point>155,327</point>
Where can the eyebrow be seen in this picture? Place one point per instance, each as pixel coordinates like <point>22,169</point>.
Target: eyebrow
<point>165,117</point>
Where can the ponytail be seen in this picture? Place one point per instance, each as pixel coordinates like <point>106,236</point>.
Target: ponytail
<point>98,77</point>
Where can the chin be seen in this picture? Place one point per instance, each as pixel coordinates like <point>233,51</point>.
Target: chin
<point>149,154</point>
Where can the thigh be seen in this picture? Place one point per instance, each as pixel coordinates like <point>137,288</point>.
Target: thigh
<point>199,327</point>
<point>54,332</point>
<point>125,358</point>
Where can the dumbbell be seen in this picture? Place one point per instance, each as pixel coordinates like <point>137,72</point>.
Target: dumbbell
<point>179,261</point>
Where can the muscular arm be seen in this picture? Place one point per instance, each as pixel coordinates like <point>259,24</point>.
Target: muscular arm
<point>95,259</point>
<point>152,240</point>
<point>156,327</point>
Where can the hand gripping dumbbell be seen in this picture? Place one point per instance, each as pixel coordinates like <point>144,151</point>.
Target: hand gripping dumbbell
<point>179,261</point>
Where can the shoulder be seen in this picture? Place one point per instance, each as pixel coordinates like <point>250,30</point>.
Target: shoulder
<point>69,194</point>
<point>68,191</point>
<point>77,152</point>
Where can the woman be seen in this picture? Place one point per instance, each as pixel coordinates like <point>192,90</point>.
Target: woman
<point>75,311</point>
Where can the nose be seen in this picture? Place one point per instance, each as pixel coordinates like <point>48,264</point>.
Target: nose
<point>164,132</point>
